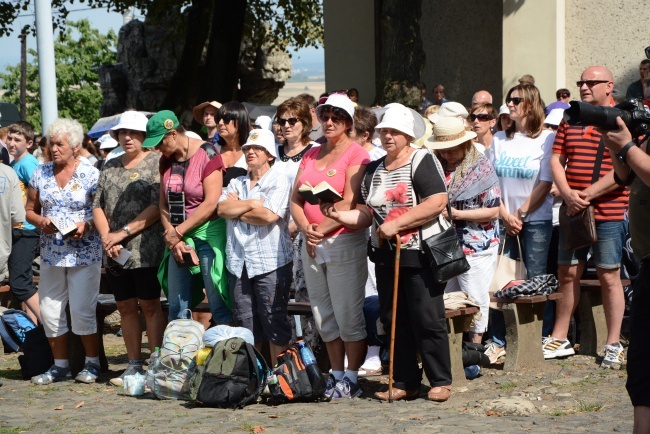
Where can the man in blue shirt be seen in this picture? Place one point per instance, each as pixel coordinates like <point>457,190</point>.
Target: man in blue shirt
<point>25,238</point>
<point>637,89</point>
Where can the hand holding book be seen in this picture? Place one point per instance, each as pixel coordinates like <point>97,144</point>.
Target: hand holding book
<point>322,192</point>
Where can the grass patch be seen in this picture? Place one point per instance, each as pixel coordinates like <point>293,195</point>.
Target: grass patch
<point>11,374</point>
<point>11,430</point>
<point>559,412</point>
<point>248,427</point>
<point>507,386</point>
<point>583,407</point>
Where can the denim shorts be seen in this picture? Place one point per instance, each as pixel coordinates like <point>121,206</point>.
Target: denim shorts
<point>607,251</point>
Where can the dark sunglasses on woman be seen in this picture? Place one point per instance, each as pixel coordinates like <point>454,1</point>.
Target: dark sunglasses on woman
<point>226,118</point>
<point>292,121</point>
<point>481,117</point>
<point>515,100</point>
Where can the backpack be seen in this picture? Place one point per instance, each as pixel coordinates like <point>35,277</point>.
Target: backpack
<point>173,365</point>
<point>233,375</point>
<point>295,380</point>
<point>14,324</point>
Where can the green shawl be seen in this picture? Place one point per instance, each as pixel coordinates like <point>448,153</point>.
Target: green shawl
<point>214,233</point>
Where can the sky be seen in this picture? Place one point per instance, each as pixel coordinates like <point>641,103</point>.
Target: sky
<point>102,20</point>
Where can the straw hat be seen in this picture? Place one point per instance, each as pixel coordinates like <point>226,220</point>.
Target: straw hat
<point>197,111</point>
<point>449,132</point>
<point>449,109</point>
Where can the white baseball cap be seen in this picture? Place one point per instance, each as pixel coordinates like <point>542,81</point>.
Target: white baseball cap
<point>504,110</point>
<point>107,142</point>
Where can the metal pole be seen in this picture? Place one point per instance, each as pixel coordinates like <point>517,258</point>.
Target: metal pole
<point>46,64</point>
<point>23,76</point>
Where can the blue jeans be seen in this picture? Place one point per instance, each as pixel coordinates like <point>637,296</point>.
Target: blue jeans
<point>179,283</point>
<point>535,238</point>
<point>607,251</point>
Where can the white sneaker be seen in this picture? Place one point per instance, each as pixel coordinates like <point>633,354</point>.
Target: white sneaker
<point>554,348</point>
<point>613,356</point>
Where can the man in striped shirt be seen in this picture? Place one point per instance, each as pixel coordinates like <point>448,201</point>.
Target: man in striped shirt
<point>573,163</point>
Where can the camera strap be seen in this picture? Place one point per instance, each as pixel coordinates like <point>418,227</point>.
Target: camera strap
<point>599,160</point>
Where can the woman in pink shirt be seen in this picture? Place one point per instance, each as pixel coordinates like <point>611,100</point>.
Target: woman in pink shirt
<point>334,257</point>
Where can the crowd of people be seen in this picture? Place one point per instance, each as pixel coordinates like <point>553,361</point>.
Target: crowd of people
<point>220,216</point>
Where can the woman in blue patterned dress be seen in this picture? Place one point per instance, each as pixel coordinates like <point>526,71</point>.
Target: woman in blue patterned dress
<point>60,196</point>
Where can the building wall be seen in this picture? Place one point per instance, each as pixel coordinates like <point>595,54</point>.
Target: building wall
<point>350,34</point>
<point>608,32</point>
<point>462,42</point>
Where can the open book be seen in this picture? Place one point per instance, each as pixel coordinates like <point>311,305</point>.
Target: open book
<point>65,228</point>
<point>322,192</point>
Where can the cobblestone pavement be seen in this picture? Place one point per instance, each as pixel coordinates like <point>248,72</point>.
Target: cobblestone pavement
<point>567,395</point>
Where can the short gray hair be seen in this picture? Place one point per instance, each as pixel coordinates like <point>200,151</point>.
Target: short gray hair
<point>70,128</point>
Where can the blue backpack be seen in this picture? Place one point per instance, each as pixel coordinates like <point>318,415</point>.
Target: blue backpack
<point>14,324</point>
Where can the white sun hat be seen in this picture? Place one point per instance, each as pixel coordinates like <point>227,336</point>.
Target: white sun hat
<point>264,122</point>
<point>263,138</point>
<point>504,110</point>
<point>107,142</point>
<point>130,120</point>
<point>449,132</point>
<point>449,109</point>
<point>401,118</point>
<point>340,101</point>
<point>554,117</point>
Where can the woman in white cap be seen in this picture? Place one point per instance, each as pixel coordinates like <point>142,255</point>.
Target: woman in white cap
<point>259,250</point>
<point>474,195</point>
<point>127,217</point>
<point>403,191</point>
<point>504,120</point>
<point>336,279</point>
<point>521,157</point>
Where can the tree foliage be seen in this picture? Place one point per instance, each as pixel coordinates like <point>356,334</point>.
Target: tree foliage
<point>78,51</point>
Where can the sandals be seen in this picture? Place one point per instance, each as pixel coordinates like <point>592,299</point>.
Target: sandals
<point>439,393</point>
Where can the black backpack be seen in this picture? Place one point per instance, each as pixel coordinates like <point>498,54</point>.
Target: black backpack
<point>233,375</point>
<point>294,380</point>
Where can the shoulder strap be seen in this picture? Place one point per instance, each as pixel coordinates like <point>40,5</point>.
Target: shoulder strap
<point>371,168</point>
<point>599,160</point>
<point>417,159</point>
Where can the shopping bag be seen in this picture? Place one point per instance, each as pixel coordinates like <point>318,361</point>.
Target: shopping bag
<point>507,269</point>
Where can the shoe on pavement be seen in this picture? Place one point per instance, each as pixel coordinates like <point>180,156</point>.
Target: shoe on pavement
<point>88,374</point>
<point>368,372</point>
<point>346,388</point>
<point>493,351</point>
<point>54,374</point>
<point>554,348</point>
<point>439,394</point>
<point>130,370</point>
<point>329,388</point>
<point>613,357</point>
<point>398,395</point>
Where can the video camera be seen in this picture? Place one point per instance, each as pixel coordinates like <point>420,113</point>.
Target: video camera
<point>632,111</point>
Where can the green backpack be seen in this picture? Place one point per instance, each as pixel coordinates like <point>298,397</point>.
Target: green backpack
<point>233,375</point>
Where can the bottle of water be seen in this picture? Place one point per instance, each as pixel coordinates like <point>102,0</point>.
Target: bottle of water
<point>306,354</point>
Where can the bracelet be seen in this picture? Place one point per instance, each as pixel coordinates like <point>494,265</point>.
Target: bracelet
<point>178,233</point>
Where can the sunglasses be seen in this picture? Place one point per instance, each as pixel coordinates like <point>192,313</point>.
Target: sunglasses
<point>481,117</point>
<point>590,83</point>
<point>226,118</point>
<point>292,121</point>
<point>515,100</point>
<point>565,95</point>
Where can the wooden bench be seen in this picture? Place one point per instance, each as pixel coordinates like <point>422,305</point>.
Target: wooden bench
<point>6,297</point>
<point>593,328</point>
<point>524,317</point>
<point>458,322</point>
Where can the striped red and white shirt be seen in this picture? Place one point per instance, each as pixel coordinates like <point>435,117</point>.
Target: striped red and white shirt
<point>580,146</point>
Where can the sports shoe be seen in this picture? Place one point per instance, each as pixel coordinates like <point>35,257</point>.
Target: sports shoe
<point>55,373</point>
<point>554,348</point>
<point>493,351</point>
<point>130,370</point>
<point>113,320</point>
<point>329,388</point>
<point>88,374</point>
<point>613,356</point>
<point>346,388</point>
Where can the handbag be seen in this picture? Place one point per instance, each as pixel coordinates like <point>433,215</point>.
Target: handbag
<point>443,250</point>
<point>507,269</point>
<point>579,230</point>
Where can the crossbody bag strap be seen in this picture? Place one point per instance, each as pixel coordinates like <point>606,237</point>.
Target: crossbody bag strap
<point>599,161</point>
<point>415,162</point>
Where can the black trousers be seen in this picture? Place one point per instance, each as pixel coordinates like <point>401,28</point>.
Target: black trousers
<point>420,326</point>
<point>638,353</point>
<point>23,250</point>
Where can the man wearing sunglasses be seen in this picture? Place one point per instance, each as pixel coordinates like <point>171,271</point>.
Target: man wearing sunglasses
<point>563,97</point>
<point>482,118</point>
<point>577,152</point>
<point>638,88</point>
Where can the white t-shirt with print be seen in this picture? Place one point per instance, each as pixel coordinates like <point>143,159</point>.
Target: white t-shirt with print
<point>521,163</point>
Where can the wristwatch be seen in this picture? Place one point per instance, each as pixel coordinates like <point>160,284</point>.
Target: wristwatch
<point>523,214</point>
<point>623,152</point>
<point>127,230</point>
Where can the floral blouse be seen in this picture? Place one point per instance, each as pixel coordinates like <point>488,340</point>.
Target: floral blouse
<point>71,204</point>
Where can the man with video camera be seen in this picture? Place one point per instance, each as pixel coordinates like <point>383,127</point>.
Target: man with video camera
<point>582,172</point>
<point>632,166</point>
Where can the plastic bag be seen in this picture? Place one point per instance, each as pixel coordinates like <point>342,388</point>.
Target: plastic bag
<point>222,332</point>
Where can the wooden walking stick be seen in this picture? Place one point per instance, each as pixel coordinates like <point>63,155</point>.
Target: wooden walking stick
<point>393,319</point>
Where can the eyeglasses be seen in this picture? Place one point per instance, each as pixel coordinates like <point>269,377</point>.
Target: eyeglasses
<point>481,117</point>
<point>292,121</point>
<point>254,148</point>
<point>590,83</point>
<point>514,101</point>
<point>335,119</point>
<point>226,118</point>
<point>565,95</point>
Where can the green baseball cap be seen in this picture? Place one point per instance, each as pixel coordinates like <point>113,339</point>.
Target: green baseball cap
<point>160,124</point>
